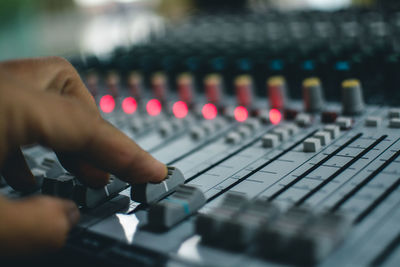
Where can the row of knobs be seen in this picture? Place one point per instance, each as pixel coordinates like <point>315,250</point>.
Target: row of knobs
<point>352,96</point>
<point>313,97</point>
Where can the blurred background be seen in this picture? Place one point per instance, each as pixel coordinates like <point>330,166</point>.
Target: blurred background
<point>330,39</point>
<point>70,27</point>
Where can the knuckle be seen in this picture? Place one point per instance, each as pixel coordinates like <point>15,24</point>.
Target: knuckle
<point>59,60</point>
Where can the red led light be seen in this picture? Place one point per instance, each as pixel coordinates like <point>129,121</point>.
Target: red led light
<point>241,114</point>
<point>153,107</point>
<point>209,111</point>
<point>107,103</point>
<point>180,109</point>
<point>129,105</point>
<point>275,116</point>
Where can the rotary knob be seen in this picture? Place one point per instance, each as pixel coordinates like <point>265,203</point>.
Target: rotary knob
<point>276,87</point>
<point>352,98</point>
<point>312,95</point>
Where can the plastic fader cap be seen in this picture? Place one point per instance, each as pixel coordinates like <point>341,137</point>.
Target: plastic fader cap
<point>320,238</point>
<point>67,186</point>
<point>218,122</point>
<point>152,192</point>
<point>177,124</point>
<point>334,130</point>
<point>209,127</point>
<point>373,121</point>
<point>233,138</point>
<point>211,226</point>
<point>311,144</point>
<point>185,201</point>
<point>197,133</point>
<point>244,131</point>
<point>270,140</point>
<point>344,122</point>
<point>394,123</point>
<point>352,97</point>
<point>394,113</point>
<point>303,119</point>
<point>282,133</point>
<point>166,129</point>
<point>292,128</point>
<point>323,136</point>
<point>312,95</point>
<point>253,124</point>
<point>243,229</point>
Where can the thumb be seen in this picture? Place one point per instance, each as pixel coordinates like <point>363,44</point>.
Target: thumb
<point>35,225</point>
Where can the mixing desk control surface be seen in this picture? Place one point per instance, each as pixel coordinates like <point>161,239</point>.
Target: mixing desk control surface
<point>276,155</point>
<point>286,183</point>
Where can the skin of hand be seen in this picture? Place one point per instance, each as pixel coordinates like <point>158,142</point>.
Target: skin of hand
<point>44,101</point>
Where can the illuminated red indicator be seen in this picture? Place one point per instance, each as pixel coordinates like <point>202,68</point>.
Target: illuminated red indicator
<point>153,107</point>
<point>180,109</point>
<point>209,111</point>
<point>129,105</point>
<point>241,113</point>
<point>107,103</point>
<point>275,116</point>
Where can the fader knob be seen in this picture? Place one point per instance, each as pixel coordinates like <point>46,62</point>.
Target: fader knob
<point>352,99</point>
<point>276,87</point>
<point>312,95</point>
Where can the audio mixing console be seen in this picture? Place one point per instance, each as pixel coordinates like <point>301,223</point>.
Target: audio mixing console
<point>267,177</point>
<point>255,180</point>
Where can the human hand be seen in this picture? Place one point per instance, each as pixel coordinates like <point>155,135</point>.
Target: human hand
<point>44,101</point>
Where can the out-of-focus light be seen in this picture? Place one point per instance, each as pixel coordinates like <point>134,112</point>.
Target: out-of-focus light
<point>153,107</point>
<point>180,109</point>
<point>107,104</point>
<point>129,105</point>
<point>209,111</point>
<point>241,114</point>
<point>94,3</point>
<point>89,3</point>
<point>275,116</point>
<point>328,4</point>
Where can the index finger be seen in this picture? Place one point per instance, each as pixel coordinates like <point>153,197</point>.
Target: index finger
<point>65,125</point>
